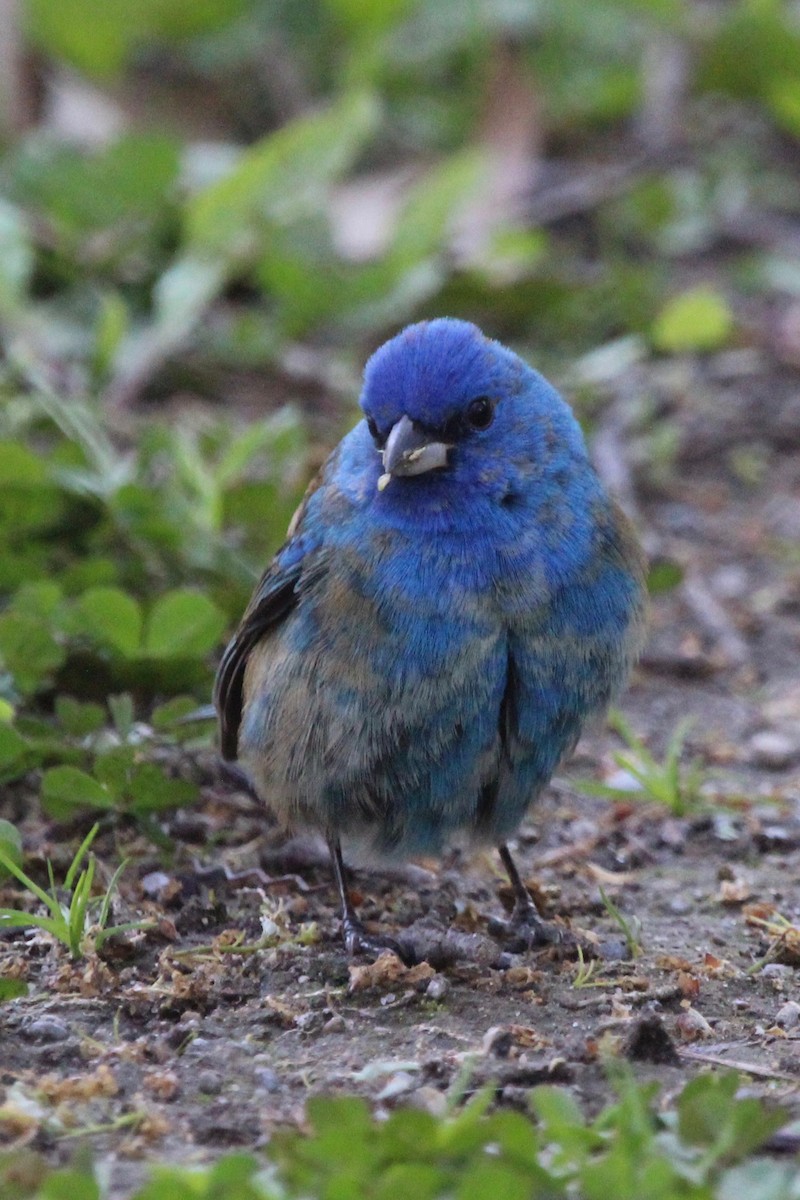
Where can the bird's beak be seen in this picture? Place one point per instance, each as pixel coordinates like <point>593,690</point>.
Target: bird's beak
<point>409,450</point>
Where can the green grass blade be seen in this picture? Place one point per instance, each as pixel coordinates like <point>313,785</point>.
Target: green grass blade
<point>103,917</point>
<point>49,901</point>
<point>79,855</point>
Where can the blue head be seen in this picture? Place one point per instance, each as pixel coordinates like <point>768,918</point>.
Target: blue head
<point>458,417</point>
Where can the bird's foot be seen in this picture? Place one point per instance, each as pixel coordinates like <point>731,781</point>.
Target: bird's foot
<point>358,941</point>
<point>526,930</point>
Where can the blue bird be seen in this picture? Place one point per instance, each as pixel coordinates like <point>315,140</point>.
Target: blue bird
<point>456,596</point>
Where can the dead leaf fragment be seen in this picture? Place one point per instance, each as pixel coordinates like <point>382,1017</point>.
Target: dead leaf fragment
<point>386,972</point>
<point>733,891</point>
<point>91,1086</point>
<point>689,985</point>
<point>162,1085</point>
<point>522,977</point>
<point>715,967</point>
<point>609,878</point>
<point>284,1014</point>
<point>619,1010</point>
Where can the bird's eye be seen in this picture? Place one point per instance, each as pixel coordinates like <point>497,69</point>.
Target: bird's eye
<point>375,433</point>
<point>480,412</point>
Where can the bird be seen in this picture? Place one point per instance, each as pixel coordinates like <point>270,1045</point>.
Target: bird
<point>457,595</point>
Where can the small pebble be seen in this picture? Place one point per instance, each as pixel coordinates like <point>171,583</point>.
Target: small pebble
<point>623,781</point>
<point>788,1015</point>
<point>267,1079</point>
<point>612,949</point>
<point>154,882</point>
<point>46,1029</point>
<point>498,1040</point>
<point>730,582</point>
<point>776,971</point>
<point>398,1085</point>
<point>431,1100</point>
<point>335,1024</point>
<point>306,1020</point>
<point>772,750</point>
<point>438,988</point>
<point>209,1082</point>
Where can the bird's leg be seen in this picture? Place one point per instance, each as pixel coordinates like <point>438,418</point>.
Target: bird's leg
<point>526,926</point>
<point>356,938</point>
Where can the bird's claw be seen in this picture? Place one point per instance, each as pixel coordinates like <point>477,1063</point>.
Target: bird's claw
<point>526,930</point>
<point>358,941</point>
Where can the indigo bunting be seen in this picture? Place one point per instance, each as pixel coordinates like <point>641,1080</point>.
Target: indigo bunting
<point>457,594</point>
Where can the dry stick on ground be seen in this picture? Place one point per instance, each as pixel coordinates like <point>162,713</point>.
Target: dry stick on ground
<point>735,1064</point>
<point>712,616</point>
<point>19,85</point>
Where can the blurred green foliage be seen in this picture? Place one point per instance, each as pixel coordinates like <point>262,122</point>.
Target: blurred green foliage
<point>157,261</point>
<point>117,258</point>
<point>693,1151</point>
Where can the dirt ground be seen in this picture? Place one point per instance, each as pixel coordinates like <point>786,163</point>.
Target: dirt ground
<point>189,1040</point>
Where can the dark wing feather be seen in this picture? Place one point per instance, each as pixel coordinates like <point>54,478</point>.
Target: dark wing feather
<point>507,728</point>
<point>274,597</point>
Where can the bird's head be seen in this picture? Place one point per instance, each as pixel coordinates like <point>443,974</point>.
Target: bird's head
<point>448,406</point>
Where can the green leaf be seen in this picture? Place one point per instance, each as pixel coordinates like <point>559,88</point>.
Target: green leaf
<point>663,576</point>
<point>557,1109</point>
<point>19,466</point>
<point>783,97</point>
<point>232,1176</point>
<point>757,44</point>
<point>28,649</point>
<point>67,791</point>
<point>122,713</point>
<point>563,1124</point>
<point>166,716</point>
<point>347,1116</point>
<point>760,1179</point>
<point>283,178</point>
<point>710,1115</point>
<point>98,37</point>
<point>493,1179</point>
<point>423,1181</point>
<point>13,746</point>
<point>431,204</point>
<point>279,436</point>
<point>370,18</point>
<point>111,617</point>
<point>113,768</point>
<point>120,188</point>
<point>10,845</point>
<point>150,790</point>
<point>69,1183</point>
<point>697,320</point>
<point>12,989</point>
<point>183,623</point>
<point>79,719</point>
<point>17,258</point>
<point>110,329</point>
<point>40,599</point>
<point>181,296</point>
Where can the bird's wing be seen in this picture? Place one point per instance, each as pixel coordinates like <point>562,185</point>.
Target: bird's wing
<point>273,599</point>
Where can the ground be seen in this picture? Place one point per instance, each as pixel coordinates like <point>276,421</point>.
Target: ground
<point>206,1031</point>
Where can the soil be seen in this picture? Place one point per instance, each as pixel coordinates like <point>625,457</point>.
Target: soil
<point>187,1040</point>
